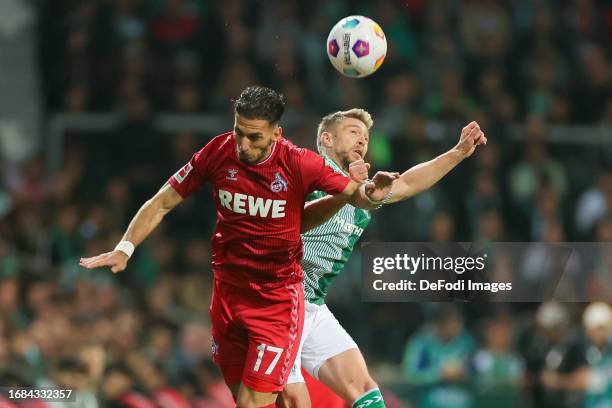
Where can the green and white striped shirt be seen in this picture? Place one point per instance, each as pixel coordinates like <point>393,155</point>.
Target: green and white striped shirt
<point>328,246</point>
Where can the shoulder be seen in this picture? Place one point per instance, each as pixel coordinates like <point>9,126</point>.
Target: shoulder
<point>223,140</point>
<point>299,159</point>
<point>293,150</point>
<point>217,145</point>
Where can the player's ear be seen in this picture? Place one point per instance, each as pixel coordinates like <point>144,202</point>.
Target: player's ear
<point>278,133</point>
<point>326,139</point>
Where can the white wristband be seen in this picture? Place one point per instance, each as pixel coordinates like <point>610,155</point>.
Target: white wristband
<point>126,247</point>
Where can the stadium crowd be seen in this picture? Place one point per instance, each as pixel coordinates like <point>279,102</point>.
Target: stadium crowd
<point>142,338</point>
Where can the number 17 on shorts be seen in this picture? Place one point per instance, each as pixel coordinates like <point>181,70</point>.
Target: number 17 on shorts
<point>261,349</point>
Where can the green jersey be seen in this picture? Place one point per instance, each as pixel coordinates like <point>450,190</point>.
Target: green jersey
<point>328,246</point>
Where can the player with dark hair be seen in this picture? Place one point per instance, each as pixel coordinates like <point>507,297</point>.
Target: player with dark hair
<point>260,183</point>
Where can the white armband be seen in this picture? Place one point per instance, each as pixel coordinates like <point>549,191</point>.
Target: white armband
<point>126,247</point>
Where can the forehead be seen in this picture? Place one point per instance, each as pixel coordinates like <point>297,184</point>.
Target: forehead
<point>251,125</point>
<point>352,122</point>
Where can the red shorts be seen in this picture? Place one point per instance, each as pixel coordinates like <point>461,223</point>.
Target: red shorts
<point>321,395</point>
<point>256,334</point>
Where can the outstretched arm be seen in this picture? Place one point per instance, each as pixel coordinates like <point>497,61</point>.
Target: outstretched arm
<point>411,182</point>
<point>144,222</point>
<point>424,175</point>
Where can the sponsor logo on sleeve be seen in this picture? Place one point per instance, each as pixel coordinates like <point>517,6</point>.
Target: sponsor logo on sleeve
<point>183,173</point>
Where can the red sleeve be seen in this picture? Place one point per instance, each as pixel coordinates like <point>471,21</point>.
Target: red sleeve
<point>194,174</point>
<point>316,175</point>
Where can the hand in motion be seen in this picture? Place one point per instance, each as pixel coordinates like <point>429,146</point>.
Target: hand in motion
<point>471,137</point>
<point>381,185</point>
<point>115,260</point>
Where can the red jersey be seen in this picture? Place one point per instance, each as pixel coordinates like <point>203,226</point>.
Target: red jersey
<point>257,240</point>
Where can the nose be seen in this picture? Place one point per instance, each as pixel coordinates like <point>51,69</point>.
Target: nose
<point>243,144</point>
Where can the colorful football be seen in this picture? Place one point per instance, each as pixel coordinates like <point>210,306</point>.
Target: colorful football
<point>356,46</point>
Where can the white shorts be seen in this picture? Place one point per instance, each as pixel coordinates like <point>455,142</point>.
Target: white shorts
<point>322,338</point>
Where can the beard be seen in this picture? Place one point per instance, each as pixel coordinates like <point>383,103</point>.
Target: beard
<point>255,156</point>
<point>243,157</point>
<point>346,159</point>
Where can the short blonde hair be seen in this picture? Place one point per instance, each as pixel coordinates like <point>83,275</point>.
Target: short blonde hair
<point>331,120</point>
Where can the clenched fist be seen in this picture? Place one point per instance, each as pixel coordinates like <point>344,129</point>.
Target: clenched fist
<point>471,137</point>
<point>358,171</point>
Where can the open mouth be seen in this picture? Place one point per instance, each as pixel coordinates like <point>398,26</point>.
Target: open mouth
<point>359,152</point>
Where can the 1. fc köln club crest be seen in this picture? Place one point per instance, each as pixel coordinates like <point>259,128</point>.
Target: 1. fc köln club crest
<point>279,184</point>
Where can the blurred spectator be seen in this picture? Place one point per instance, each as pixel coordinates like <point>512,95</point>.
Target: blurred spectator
<point>490,227</point>
<point>590,377</point>
<point>196,344</point>
<point>436,360</point>
<point>442,228</point>
<point>551,348</point>
<point>484,197</point>
<point>441,50</point>
<point>400,94</point>
<point>594,204</point>
<point>451,102</point>
<point>499,371</point>
<point>595,380</point>
<point>298,117</point>
<point>493,96</point>
<point>546,216</point>
<point>593,88</point>
<point>71,374</point>
<point>117,389</point>
<point>13,315</point>
<point>485,29</point>
<point>177,24</point>
<point>402,41</point>
<point>536,168</point>
<point>32,184</point>
<point>599,284</point>
<point>76,99</point>
<point>64,237</point>
<point>187,99</point>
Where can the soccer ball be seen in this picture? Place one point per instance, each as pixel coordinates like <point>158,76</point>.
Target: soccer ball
<point>356,46</point>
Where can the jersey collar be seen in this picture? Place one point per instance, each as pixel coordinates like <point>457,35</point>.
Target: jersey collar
<point>267,159</point>
<point>333,165</point>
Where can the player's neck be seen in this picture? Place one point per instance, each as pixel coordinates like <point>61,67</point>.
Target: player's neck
<point>340,163</point>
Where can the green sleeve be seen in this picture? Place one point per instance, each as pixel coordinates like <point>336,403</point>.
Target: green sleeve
<point>314,195</point>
